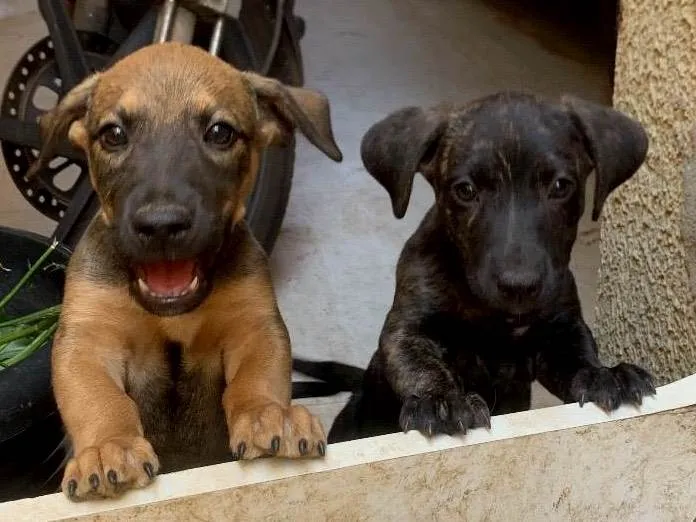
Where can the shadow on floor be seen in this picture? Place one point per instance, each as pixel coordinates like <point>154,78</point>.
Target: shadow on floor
<point>580,30</point>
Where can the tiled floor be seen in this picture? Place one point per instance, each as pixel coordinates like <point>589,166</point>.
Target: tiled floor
<point>334,260</point>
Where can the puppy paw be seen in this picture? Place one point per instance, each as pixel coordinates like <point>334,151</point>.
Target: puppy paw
<point>448,414</point>
<point>110,469</point>
<point>274,431</point>
<point>609,388</point>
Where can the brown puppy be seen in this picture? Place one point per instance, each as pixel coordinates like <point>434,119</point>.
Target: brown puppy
<point>171,347</point>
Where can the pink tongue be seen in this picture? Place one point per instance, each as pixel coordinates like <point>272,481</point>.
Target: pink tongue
<point>168,277</point>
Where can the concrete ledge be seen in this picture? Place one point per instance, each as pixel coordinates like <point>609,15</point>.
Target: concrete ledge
<point>557,463</point>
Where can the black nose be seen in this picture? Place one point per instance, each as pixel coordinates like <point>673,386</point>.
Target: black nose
<point>162,221</point>
<point>519,284</point>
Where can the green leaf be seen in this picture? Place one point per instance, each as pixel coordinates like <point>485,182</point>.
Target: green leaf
<point>37,343</point>
<point>25,331</point>
<point>51,311</point>
<point>21,336</point>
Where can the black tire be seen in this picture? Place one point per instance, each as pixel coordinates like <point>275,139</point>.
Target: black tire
<point>31,433</point>
<point>269,200</point>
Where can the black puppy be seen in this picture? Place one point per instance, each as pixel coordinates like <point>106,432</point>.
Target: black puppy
<point>485,301</point>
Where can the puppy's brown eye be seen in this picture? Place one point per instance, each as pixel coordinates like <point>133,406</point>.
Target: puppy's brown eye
<point>220,135</point>
<point>113,137</point>
<point>561,188</point>
<point>465,192</point>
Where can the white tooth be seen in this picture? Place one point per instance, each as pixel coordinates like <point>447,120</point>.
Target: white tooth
<point>143,287</point>
<point>193,286</point>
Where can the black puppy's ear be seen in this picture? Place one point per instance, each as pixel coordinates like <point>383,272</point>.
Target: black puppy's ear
<point>398,146</point>
<point>616,143</point>
<point>55,124</point>
<point>284,108</point>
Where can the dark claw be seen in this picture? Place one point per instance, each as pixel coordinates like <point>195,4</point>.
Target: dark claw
<point>408,412</point>
<point>609,388</point>
<point>275,445</point>
<point>321,447</point>
<point>234,457</point>
<point>482,415</point>
<point>112,477</point>
<point>448,414</point>
<point>149,470</point>
<point>610,403</point>
<point>303,446</point>
<point>94,481</point>
<point>649,385</point>
<point>241,450</point>
<point>615,402</point>
<point>443,411</point>
<point>72,488</point>
<point>637,397</point>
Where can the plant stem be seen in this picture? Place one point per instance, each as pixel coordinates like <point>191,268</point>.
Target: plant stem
<point>52,311</point>
<point>33,268</point>
<point>21,333</point>
<point>35,344</point>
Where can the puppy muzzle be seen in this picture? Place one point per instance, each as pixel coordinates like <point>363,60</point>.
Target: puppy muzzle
<point>170,248</point>
<point>520,292</point>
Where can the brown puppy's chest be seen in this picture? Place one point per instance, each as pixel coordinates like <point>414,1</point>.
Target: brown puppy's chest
<point>180,404</point>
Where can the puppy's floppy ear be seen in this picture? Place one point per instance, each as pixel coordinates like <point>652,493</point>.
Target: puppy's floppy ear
<point>616,143</point>
<point>284,108</point>
<point>398,146</point>
<point>55,124</point>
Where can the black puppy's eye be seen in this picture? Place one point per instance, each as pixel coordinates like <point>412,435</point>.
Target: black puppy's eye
<point>561,188</point>
<point>465,192</point>
<point>113,136</point>
<point>220,135</point>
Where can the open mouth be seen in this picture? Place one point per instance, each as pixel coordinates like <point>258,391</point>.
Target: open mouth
<point>169,287</point>
<point>168,279</point>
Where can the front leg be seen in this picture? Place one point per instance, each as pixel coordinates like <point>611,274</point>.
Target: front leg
<point>260,418</point>
<point>432,400</point>
<point>110,452</point>
<point>568,366</point>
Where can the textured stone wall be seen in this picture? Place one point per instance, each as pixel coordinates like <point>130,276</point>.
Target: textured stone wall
<point>645,308</point>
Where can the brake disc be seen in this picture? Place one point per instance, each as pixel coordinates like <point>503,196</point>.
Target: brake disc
<point>34,86</point>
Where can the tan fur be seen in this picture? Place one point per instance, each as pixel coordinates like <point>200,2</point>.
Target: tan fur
<point>109,353</point>
<point>237,205</point>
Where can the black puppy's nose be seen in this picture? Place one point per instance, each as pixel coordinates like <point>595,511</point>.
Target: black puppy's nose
<point>162,221</point>
<point>519,284</point>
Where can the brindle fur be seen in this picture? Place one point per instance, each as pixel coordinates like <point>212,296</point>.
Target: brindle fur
<point>138,384</point>
<point>454,347</point>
